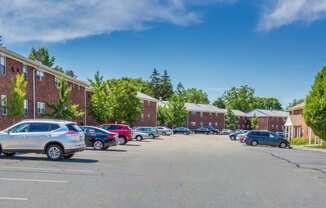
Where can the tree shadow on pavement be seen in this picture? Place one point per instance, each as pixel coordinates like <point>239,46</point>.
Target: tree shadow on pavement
<point>72,160</point>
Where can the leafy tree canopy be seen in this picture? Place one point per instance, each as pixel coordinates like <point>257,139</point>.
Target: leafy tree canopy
<point>177,110</point>
<point>241,98</point>
<point>294,103</point>
<point>315,105</point>
<point>161,85</point>
<point>219,102</point>
<point>193,95</point>
<point>267,103</point>
<point>16,100</point>
<point>230,119</point>
<point>63,108</point>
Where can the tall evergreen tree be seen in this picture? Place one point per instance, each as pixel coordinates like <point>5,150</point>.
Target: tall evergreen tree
<point>180,89</point>
<point>155,81</point>
<point>166,87</point>
<point>315,106</point>
<point>42,55</point>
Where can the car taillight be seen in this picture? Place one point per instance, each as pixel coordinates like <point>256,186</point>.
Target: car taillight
<point>71,133</point>
<point>111,136</point>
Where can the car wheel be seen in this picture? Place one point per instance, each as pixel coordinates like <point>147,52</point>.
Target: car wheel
<point>69,156</point>
<point>164,133</point>
<point>9,154</point>
<point>283,145</point>
<point>152,135</point>
<point>54,152</point>
<point>139,138</point>
<point>254,143</point>
<point>98,145</point>
<point>123,140</point>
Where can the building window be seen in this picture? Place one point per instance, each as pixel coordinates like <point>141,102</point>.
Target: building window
<point>193,113</point>
<point>201,124</point>
<point>142,116</point>
<point>25,72</point>
<point>26,107</point>
<point>210,124</point>
<point>193,123</point>
<point>57,82</point>
<point>40,107</point>
<point>39,75</point>
<point>149,115</point>
<point>216,124</point>
<point>201,114</point>
<point>2,65</point>
<point>4,104</point>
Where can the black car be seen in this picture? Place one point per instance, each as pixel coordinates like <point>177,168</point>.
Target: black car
<point>255,138</point>
<point>202,130</point>
<point>99,138</point>
<point>181,130</point>
<point>213,130</point>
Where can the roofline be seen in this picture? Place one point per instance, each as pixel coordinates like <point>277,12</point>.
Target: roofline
<point>17,57</point>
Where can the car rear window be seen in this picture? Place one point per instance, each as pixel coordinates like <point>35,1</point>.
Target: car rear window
<point>74,127</point>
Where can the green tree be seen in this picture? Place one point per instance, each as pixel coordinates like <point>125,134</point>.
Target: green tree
<point>63,108</point>
<point>254,122</point>
<point>42,55</point>
<point>180,89</point>
<point>177,110</point>
<point>241,98</point>
<point>294,103</point>
<point>197,96</point>
<point>155,83</point>
<point>59,69</point>
<point>267,103</point>
<point>99,103</point>
<point>16,100</point>
<point>219,102</point>
<point>166,87</point>
<point>164,116</point>
<point>230,119</point>
<point>315,105</point>
<point>71,74</point>
<point>125,106</point>
<point>141,85</point>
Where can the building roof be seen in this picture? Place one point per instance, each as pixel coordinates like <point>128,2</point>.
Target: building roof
<point>143,96</point>
<point>239,113</point>
<point>39,66</point>
<point>203,108</point>
<point>294,120</point>
<point>300,106</point>
<point>268,113</point>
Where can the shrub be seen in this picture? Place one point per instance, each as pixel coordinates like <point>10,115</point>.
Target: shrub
<point>299,141</point>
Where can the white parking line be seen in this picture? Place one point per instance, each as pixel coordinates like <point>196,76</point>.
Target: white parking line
<point>13,198</point>
<point>32,180</point>
<point>47,169</point>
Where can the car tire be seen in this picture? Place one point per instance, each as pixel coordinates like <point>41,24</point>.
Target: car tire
<point>123,139</point>
<point>139,138</point>
<point>254,143</point>
<point>98,145</point>
<point>9,154</point>
<point>283,145</point>
<point>69,156</point>
<point>164,133</point>
<point>54,152</point>
<point>152,135</point>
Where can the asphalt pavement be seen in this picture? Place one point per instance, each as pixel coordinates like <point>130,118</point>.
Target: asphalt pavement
<point>171,172</point>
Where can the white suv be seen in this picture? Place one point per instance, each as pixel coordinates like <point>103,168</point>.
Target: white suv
<point>57,139</point>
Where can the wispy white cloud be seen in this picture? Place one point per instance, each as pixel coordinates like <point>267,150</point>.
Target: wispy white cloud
<point>54,20</point>
<point>285,12</point>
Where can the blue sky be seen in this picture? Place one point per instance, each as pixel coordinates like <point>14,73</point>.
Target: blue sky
<point>274,46</point>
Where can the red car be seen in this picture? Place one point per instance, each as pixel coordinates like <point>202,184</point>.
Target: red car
<point>123,130</point>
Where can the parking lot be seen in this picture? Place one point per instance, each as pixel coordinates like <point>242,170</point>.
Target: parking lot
<point>177,171</point>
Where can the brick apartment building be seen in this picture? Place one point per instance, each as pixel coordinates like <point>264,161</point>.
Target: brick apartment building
<point>242,120</point>
<point>42,87</point>
<point>202,115</point>
<point>271,120</point>
<point>295,125</point>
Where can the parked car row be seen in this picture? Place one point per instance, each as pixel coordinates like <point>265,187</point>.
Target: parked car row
<point>62,139</point>
<point>255,138</point>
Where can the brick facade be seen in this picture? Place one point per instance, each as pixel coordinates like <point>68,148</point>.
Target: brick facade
<point>204,119</point>
<point>270,120</point>
<point>46,91</point>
